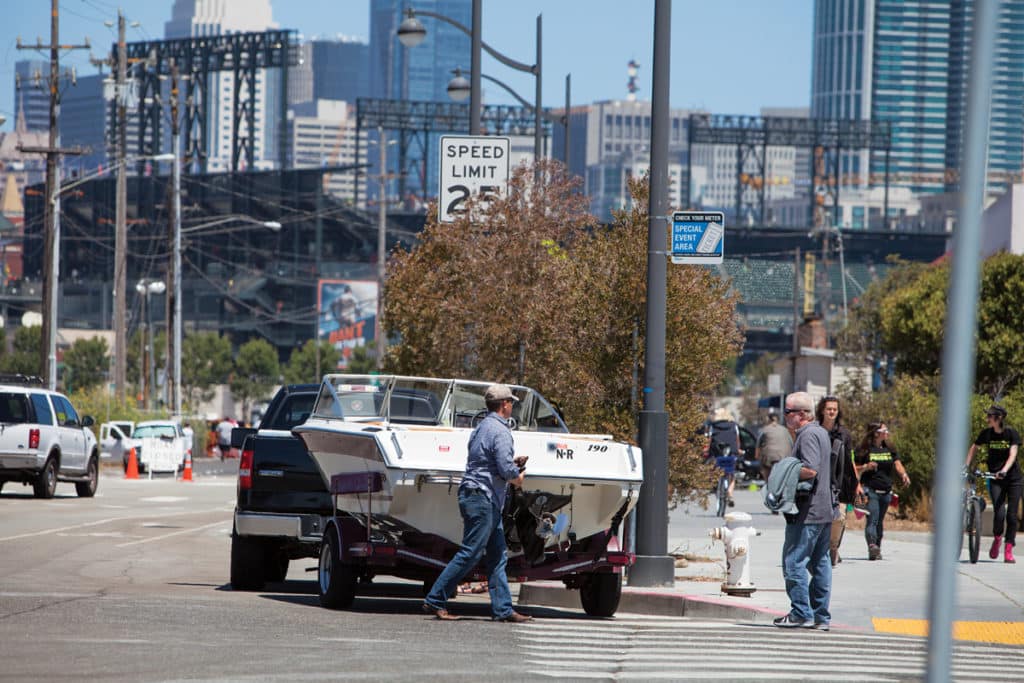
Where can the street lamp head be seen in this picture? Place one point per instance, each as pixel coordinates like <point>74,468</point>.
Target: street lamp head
<point>272,225</point>
<point>459,87</point>
<point>411,32</point>
<point>157,287</point>
<point>167,156</point>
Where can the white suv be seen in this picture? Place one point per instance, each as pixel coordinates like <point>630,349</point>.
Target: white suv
<point>43,441</point>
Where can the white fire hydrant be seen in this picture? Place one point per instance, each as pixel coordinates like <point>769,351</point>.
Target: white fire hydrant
<point>736,535</point>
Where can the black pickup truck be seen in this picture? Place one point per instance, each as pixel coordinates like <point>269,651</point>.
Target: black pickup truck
<point>282,503</point>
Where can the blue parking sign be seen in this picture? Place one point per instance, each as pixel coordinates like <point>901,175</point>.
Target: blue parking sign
<point>698,237</point>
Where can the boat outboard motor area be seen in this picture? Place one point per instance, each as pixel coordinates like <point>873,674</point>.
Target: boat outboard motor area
<point>531,523</point>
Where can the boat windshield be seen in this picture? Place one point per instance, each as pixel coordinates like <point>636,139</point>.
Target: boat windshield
<point>427,401</point>
<point>406,400</point>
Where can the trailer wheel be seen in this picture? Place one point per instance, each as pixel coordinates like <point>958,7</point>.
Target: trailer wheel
<point>248,556</point>
<point>337,581</point>
<point>600,593</point>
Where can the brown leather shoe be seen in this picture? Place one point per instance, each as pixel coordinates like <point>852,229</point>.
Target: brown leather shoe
<point>516,618</point>
<point>442,614</point>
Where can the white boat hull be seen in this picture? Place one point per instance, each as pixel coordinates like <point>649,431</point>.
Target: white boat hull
<point>422,468</point>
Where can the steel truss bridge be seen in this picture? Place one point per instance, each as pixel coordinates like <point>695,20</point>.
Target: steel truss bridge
<point>753,135</point>
<point>416,122</point>
<point>243,55</point>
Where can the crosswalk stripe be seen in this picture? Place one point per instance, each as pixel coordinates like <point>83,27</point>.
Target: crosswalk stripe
<point>651,648</point>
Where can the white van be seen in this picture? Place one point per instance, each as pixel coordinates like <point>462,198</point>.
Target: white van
<point>115,439</point>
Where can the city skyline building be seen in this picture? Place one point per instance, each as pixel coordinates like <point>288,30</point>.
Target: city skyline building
<point>421,73</point>
<point>906,62</point>
<point>31,95</point>
<point>323,133</point>
<point>198,18</point>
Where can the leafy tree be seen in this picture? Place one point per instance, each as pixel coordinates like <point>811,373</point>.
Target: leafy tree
<point>527,290</point>
<point>24,358</point>
<point>302,367</point>
<point>86,364</point>
<point>913,322</point>
<point>205,362</point>
<point>257,370</point>
<point>361,362</point>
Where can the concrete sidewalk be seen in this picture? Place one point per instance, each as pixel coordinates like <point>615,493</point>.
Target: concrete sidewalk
<point>864,593</point>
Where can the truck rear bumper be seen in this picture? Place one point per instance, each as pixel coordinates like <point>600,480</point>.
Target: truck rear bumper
<point>306,528</point>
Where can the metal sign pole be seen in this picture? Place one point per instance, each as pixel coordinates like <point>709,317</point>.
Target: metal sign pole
<point>958,352</point>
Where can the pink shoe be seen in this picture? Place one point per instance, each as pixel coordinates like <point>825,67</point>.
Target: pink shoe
<point>993,552</point>
<point>1008,555</point>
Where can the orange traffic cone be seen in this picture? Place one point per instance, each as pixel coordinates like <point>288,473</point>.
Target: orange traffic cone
<point>186,474</point>
<point>132,472</point>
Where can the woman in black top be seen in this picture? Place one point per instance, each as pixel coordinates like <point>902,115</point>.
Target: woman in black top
<point>876,463</point>
<point>844,479</point>
<point>1002,444</point>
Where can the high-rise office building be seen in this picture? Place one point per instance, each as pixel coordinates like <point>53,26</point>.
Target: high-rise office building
<point>31,94</point>
<point>218,17</point>
<point>421,73</point>
<point>324,134</point>
<point>907,62</point>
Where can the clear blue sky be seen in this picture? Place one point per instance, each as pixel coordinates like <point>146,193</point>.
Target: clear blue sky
<point>728,56</point>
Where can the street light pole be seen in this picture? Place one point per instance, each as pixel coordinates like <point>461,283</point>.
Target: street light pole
<point>654,566</point>
<point>177,335</point>
<point>475,62</point>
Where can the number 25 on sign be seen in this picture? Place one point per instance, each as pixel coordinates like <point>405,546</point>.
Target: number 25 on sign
<point>471,166</point>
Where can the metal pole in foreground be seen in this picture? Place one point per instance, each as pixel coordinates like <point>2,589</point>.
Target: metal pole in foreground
<point>475,59</point>
<point>958,351</point>
<point>382,246</point>
<point>176,399</point>
<point>654,567</point>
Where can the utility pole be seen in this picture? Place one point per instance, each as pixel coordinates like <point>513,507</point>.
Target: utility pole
<point>174,286</point>
<point>121,217</point>
<point>51,209</point>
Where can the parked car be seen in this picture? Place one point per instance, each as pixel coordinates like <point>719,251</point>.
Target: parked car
<point>160,446</point>
<point>115,439</point>
<point>43,440</point>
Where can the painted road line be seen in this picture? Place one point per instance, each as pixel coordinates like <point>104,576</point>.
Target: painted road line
<point>1005,632</point>
<point>171,535</point>
<point>83,525</point>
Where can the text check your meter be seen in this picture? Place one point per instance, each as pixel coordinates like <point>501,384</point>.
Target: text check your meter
<point>698,237</point>
<point>471,166</point>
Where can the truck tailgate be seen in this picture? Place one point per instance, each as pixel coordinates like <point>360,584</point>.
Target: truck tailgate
<point>284,477</point>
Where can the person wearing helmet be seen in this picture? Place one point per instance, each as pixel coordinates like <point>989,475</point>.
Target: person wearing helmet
<point>1002,444</point>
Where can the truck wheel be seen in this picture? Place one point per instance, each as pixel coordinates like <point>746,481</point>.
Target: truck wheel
<point>248,559</point>
<point>46,483</point>
<point>87,489</point>
<point>337,581</point>
<point>600,593</point>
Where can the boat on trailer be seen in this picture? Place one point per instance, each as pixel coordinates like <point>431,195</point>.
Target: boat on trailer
<point>392,451</point>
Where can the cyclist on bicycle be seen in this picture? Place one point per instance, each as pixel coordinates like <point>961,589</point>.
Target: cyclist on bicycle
<point>724,433</point>
<point>1002,443</point>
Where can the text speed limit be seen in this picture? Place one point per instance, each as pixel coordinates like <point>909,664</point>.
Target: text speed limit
<point>471,166</point>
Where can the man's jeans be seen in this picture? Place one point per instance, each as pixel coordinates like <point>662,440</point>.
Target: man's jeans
<point>483,534</point>
<point>804,550</point>
<point>878,505</point>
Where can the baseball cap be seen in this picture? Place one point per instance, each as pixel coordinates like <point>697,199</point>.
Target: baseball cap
<point>998,411</point>
<point>499,392</point>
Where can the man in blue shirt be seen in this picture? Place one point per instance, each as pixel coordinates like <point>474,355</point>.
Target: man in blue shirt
<point>490,467</point>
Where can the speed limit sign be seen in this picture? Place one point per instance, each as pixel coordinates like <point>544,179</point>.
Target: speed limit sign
<point>471,166</point>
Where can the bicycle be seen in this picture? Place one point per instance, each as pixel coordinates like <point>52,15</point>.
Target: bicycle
<point>973,505</point>
<point>725,461</point>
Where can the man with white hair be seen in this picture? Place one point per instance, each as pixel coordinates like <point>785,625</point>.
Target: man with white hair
<point>806,546</point>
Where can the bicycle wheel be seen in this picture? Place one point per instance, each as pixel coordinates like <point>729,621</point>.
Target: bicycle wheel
<point>723,494</point>
<point>974,530</point>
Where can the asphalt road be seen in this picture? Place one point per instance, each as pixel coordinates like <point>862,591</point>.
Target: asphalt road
<point>132,586</point>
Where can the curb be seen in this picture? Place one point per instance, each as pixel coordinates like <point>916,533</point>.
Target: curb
<point>638,601</point>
